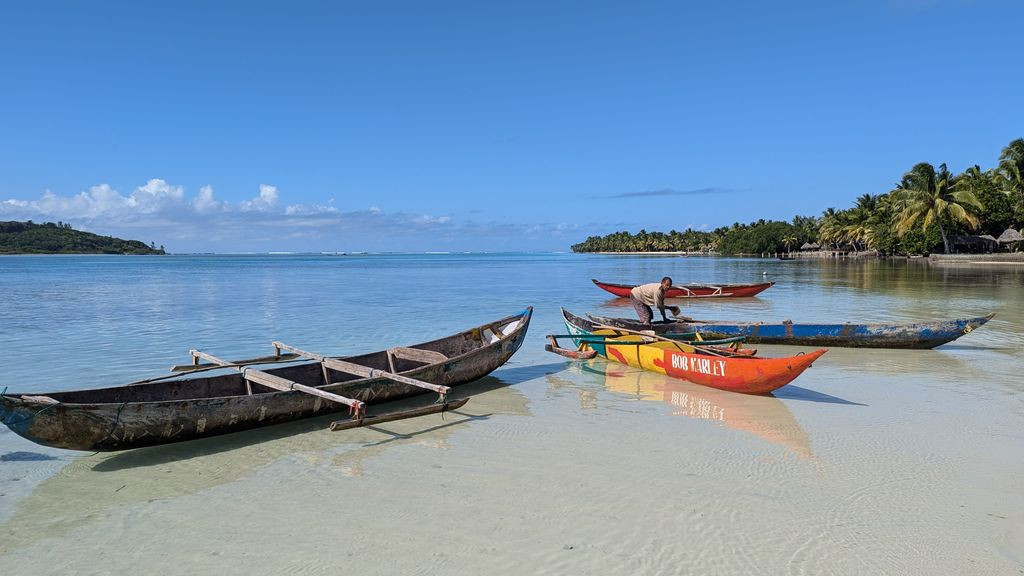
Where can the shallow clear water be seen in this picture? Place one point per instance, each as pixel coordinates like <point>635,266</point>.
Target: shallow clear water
<point>871,462</point>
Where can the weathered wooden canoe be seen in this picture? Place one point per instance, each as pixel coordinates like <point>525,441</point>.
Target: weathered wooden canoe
<point>693,290</point>
<point>185,407</point>
<point>746,374</point>
<point>916,335</point>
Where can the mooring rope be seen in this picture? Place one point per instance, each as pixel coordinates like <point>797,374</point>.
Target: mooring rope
<point>27,418</point>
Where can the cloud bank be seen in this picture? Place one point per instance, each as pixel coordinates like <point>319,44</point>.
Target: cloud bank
<point>163,213</point>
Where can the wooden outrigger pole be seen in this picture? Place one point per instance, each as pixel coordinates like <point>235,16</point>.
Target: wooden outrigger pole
<point>277,383</point>
<point>359,417</point>
<point>360,370</point>
<point>357,407</point>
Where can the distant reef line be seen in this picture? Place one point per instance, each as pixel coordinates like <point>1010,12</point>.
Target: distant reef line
<point>60,238</point>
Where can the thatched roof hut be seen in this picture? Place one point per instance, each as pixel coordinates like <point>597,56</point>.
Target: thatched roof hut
<point>1009,236</point>
<point>975,244</point>
<point>809,246</point>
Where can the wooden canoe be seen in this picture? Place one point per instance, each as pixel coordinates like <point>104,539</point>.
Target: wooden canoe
<point>189,406</point>
<point>746,374</point>
<point>879,335</point>
<point>693,290</point>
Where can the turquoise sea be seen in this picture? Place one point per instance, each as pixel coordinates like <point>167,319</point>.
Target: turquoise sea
<point>871,462</point>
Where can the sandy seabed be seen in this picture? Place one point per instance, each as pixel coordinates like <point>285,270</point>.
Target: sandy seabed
<point>898,467</point>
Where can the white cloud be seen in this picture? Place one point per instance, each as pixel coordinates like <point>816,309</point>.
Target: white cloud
<point>204,203</point>
<point>155,196</point>
<point>302,209</point>
<point>164,213</point>
<point>264,202</point>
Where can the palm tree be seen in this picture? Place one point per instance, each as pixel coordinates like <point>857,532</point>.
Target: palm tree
<point>827,229</point>
<point>857,227</point>
<point>1010,173</point>
<point>930,195</point>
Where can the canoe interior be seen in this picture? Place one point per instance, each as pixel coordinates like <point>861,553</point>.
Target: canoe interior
<point>309,373</point>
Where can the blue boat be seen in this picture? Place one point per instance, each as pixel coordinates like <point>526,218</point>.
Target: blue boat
<point>918,335</point>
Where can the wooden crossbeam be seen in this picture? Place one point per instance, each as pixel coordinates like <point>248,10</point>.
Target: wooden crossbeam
<point>362,371</point>
<point>278,383</point>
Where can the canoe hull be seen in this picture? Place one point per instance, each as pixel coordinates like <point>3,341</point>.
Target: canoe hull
<point>107,426</point>
<point>693,290</point>
<point>904,336</point>
<point>745,374</point>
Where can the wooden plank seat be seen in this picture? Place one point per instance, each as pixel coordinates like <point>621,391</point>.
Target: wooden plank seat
<point>416,355</point>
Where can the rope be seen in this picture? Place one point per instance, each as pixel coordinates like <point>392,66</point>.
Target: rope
<point>27,418</point>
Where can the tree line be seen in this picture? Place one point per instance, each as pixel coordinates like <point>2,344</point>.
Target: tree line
<point>923,213</point>
<point>60,238</point>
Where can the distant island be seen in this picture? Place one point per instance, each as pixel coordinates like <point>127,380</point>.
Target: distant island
<point>930,210</point>
<point>60,238</point>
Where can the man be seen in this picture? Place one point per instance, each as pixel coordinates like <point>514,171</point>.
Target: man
<point>647,295</point>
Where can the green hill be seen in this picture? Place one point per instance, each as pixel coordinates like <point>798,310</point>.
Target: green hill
<point>60,238</point>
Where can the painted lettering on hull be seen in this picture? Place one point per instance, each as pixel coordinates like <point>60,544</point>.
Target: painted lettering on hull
<point>706,365</point>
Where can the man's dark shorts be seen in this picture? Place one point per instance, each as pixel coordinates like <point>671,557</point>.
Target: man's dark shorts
<point>642,310</point>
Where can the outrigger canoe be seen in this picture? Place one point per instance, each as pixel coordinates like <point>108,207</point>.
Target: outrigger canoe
<point>735,373</point>
<point>298,385</point>
<point>693,290</point>
<point>917,335</point>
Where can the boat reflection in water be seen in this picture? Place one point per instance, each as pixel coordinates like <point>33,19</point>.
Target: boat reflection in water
<point>763,416</point>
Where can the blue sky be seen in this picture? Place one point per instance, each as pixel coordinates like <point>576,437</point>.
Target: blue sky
<point>235,126</point>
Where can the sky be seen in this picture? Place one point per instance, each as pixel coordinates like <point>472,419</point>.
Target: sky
<point>483,126</point>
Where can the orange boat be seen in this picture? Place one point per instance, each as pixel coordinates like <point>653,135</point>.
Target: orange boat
<point>705,366</point>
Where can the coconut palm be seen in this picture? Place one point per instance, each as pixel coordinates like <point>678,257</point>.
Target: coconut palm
<point>856,228</point>
<point>788,242</point>
<point>929,195</point>
<point>1010,173</point>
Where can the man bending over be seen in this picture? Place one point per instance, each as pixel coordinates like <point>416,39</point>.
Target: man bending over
<point>646,295</point>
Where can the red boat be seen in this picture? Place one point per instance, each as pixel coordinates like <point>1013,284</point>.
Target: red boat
<point>694,290</point>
